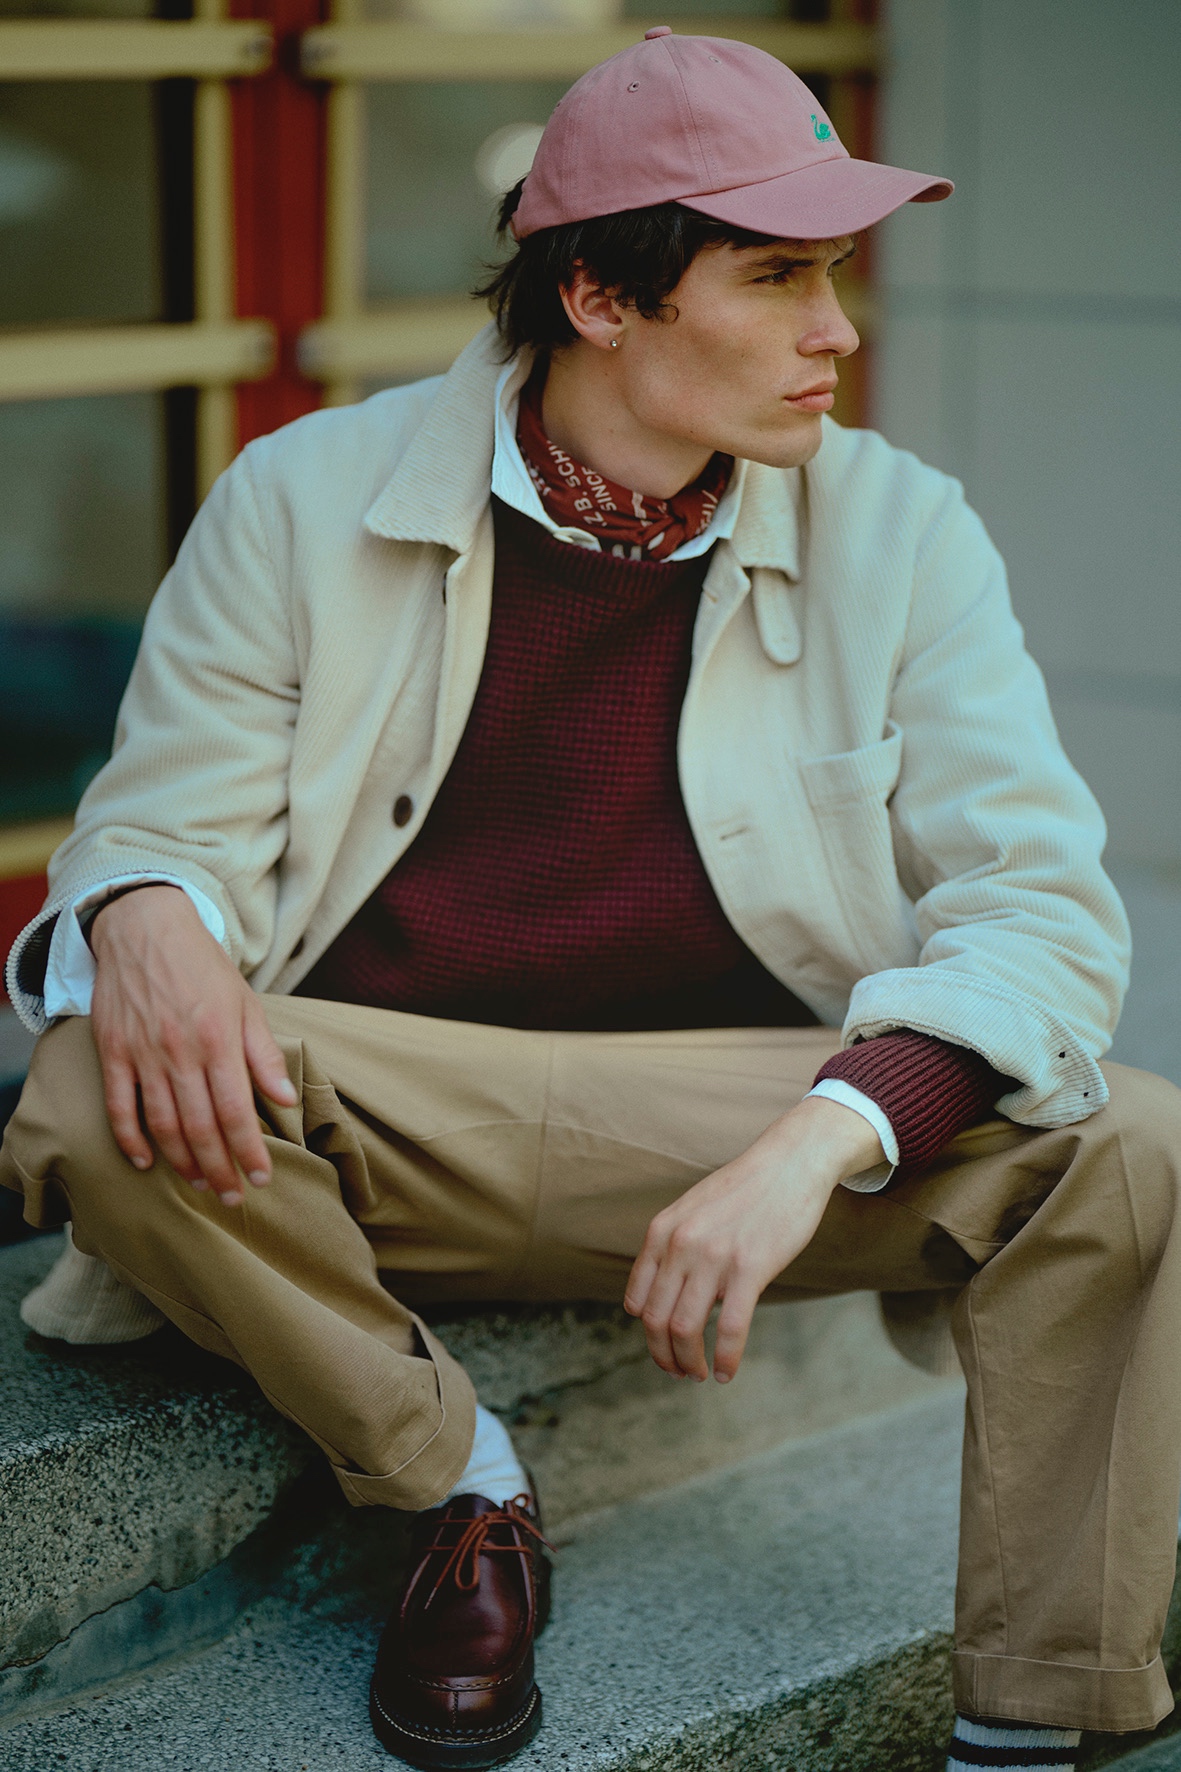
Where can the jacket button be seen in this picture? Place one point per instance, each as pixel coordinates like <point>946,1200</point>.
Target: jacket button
<point>403,809</point>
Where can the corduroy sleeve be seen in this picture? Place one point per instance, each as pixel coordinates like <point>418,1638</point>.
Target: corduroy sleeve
<point>1024,945</point>
<point>927,1088</point>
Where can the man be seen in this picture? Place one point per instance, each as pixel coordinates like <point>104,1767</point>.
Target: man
<point>565,748</point>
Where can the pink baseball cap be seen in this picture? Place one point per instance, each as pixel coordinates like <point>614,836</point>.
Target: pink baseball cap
<point>718,126</point>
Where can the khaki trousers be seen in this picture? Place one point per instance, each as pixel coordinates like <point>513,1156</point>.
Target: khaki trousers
<point>459,1162</point>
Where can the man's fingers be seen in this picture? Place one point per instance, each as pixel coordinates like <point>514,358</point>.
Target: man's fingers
<point>687,1322</point>
<point>163,1122</point>
<point>639,1282</point>
<point>266,1062</point>
<point>647,1265</point>
<point>658,1309</point>
<point>200,1127</point>
<point>123,1113</point>
<point>734,1321</point>
<point>233,1103</point>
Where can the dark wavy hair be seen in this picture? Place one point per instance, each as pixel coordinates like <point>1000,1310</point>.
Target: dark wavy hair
<point>640,255</point>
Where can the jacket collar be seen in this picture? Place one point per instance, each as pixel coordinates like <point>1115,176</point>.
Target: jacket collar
<point>440,488</point>
<point>767,533</point>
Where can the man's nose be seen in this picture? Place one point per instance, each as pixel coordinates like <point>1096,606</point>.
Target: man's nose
<point>832,332</point>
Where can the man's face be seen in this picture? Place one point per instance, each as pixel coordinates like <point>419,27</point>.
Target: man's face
<point>749,362</point>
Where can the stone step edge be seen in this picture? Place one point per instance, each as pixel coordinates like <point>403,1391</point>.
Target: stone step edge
<point>889,1710</point>
<point>900,1696</point>
<point>157,1625</point>
<point>48,1468</point>
<point>286,1558</point>
<point>884,1707</point>
<point>138,1412</point>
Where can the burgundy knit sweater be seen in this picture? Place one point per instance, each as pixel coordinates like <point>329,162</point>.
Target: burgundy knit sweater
<point>555,882</point>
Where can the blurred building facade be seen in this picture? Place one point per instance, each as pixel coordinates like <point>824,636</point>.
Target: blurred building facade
<point>1031,345</point>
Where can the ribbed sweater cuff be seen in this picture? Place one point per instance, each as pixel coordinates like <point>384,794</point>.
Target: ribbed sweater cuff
<point>928,1089</point>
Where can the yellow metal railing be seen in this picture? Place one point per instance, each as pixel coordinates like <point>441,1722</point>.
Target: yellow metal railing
<point>45,364</point>
<point>349,49</point>
<point>132,49</point>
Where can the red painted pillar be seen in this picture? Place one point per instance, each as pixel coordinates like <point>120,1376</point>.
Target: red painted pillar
<point>279,195</point>
<point>20,900</point>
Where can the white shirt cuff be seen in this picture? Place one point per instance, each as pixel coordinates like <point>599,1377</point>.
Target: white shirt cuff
<point>869,1181</point>
<point>69,974</point>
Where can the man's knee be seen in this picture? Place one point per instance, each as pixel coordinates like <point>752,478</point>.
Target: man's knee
<point>1143,1111</point>
<point>58,1145</point>
<point>1139,1134</point>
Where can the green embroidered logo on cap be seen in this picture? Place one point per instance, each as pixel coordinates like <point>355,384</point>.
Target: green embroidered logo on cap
<point>820,130</point>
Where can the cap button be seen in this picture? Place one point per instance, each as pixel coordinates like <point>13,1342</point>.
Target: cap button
<point>658,31</point>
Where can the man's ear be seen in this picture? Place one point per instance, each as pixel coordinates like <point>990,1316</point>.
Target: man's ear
<point>592,311</point>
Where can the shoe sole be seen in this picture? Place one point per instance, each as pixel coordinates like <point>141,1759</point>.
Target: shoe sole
<point>436,1751</point>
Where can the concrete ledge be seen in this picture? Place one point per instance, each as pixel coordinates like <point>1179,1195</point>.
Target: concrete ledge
<point>790,1614</point>
<point>514,1351</point>
<point>143,1466</point>
<point>136,1470</point>
<point>120,1467</point>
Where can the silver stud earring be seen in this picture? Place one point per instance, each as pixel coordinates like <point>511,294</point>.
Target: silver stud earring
<point>614,344</point>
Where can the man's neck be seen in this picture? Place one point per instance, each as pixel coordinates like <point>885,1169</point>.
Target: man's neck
<point>586,413</point>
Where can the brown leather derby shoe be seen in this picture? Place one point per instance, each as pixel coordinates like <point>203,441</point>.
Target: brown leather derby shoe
<point>453,1685</point>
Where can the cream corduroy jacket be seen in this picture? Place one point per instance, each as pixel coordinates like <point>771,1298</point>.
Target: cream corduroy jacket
<point>867,756</point>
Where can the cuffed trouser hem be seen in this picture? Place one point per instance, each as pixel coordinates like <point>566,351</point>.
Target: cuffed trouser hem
<point>1062,1695</point>
<point>433,1471</point>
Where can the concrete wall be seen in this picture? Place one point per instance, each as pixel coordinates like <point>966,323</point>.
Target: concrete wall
<point>1032,347</point>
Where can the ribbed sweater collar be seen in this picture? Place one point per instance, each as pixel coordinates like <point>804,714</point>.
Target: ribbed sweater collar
<point>524,546</point>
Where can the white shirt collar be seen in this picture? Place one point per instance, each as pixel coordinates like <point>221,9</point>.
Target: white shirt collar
<point>512,484</point>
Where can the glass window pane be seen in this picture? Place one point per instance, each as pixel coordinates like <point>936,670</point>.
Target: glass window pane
<point>81,552</point>
<point>81,481</point>
<point>437,154</point>
<point>78,202</point>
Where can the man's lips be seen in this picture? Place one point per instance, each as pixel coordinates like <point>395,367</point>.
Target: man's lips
<point>817,399</point>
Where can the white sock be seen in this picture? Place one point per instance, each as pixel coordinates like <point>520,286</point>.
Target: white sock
<point>493,1470</point>
<point>81,1301</point>
<point>1025,1747</point>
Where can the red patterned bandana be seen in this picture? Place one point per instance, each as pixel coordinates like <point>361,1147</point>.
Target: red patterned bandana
<point>623,522</point>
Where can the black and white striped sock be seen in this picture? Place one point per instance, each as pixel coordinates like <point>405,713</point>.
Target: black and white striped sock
<point>1023,1747</point>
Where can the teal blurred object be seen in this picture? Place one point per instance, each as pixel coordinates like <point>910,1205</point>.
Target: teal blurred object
<point>61,682</point>
<point>13,1228</point>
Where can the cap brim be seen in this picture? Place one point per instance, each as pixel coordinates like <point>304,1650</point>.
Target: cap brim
<point>821,201</point>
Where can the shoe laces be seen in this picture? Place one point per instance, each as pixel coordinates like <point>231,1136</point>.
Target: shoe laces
<point>463,1561</point>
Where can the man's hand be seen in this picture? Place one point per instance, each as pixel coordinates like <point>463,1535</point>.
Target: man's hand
<point>173,1018</point>
<point>732,1233</point>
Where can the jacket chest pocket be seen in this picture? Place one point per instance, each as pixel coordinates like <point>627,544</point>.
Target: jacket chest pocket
<point>849,793</point>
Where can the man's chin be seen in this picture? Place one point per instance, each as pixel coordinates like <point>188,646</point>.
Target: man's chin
<point>787,451</point>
